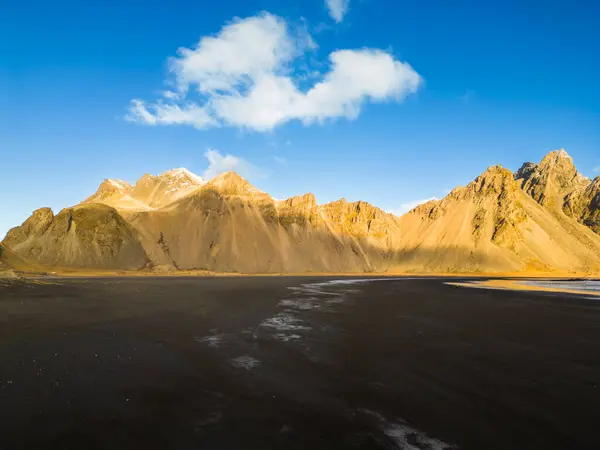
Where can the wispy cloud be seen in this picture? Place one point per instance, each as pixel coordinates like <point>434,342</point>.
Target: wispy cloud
<point>280,159</point>
<point>219,163</point>
<point>246,77</point>
<point>170,114</point>
<point>337,9</point>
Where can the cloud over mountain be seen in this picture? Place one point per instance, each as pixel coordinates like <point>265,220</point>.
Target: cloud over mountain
<point>247,76</point>
<point>219,163</point>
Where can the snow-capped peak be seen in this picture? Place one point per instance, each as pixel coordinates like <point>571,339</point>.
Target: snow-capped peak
<point>121,185</point>
<point>183,173</point>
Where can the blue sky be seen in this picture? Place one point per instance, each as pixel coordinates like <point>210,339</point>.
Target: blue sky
<point>388,101</point>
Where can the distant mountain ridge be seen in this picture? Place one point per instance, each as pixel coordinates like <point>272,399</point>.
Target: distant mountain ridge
<point>150,192</point>
<point>545,217</point>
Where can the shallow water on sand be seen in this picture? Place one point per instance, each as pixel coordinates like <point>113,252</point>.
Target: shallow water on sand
<point>577,285</point>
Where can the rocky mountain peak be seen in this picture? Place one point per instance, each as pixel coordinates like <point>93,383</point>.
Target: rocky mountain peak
<point>424,208</point>
<point>42,214</point>
<point>558,155</point>
<point>145,180</point>
<point>36,224</point>
<point>306,201</point>
<point>552,180</point>
<point>117,184</point>
<point>111,185</point>
<point>231,183</point>
<point>172,179</point>
<point>559,162</point>
<point>361,219</point>
<point>156,191</point>
<point>341,203</point>
<point>109,188</point>
<point>525,170</point>
<point>183,177</point>
<point>556,184</point>
<point>354,210</point>
<point>299,209</point>
<point>495,180</point>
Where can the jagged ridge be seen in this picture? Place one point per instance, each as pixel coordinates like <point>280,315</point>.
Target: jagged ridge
<point>556,184</point>
<point>532,220</point>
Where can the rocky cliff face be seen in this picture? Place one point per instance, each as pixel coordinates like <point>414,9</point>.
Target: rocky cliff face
<point>541,218</point>
<point>89,236</point>
<point>492,225</point>
<point>229,225</point>
<point>556,184</point>
<point>584,205</point>
<point>549,182</point>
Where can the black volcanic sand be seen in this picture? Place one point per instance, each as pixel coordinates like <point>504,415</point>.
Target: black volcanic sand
<point>247,363</point>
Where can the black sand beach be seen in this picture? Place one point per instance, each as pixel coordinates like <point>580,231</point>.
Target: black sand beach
<point>295,363</point>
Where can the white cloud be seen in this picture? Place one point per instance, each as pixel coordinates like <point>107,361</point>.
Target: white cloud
<point>280,159</point>
<point>219,163</point>
<point>245,77</point>
<point>170,114</point>
<point>244,49</point>
<point>410,205</point>
<point>171,94</point>
<point>337,9</point>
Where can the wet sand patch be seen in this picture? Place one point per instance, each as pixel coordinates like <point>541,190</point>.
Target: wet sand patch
<point>564,286</point>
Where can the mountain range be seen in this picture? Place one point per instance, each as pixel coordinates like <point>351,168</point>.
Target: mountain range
<point>543,218</point>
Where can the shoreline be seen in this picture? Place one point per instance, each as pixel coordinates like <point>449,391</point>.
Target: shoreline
<point>517,285</point>
<point>493,276</point>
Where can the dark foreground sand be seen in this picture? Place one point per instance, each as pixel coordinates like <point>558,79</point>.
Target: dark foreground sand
<point>247,363</point>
